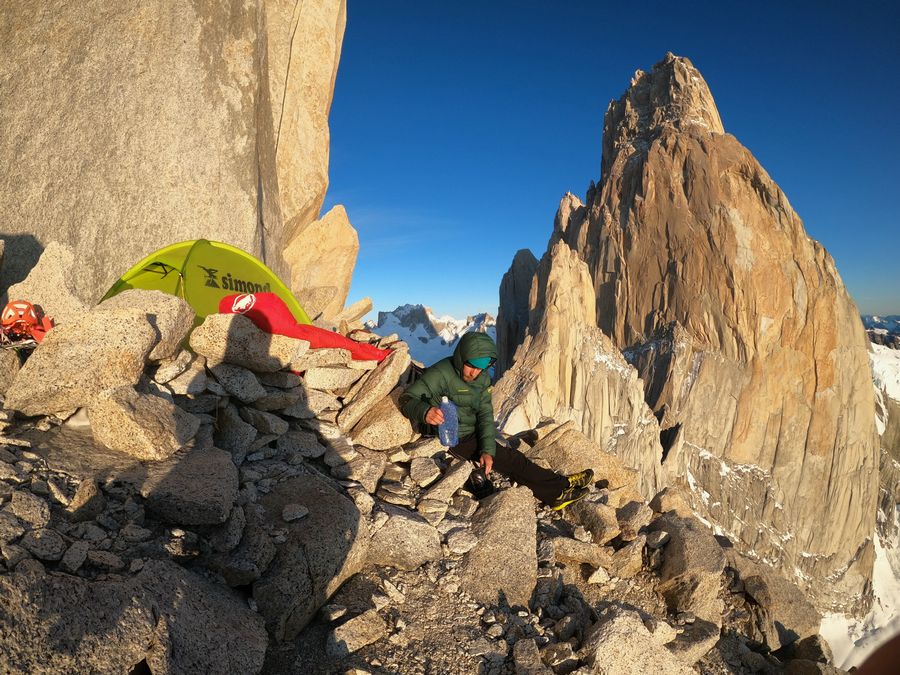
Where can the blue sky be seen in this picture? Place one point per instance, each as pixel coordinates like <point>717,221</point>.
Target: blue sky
<point>457,127</point>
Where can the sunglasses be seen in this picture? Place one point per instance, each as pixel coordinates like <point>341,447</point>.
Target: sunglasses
<point>490,363</point>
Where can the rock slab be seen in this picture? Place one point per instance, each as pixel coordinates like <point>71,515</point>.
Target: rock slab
<point>85,357</point>
<point>195,488</point>
<point>322,550</point>
<point>165,615</point>
<point>406,541</point>
<point>141,425</point>
<point>504,563</point>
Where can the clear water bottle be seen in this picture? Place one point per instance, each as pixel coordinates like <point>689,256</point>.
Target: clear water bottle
<point>448,432</point>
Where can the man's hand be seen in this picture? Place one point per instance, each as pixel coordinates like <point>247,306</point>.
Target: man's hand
<point>487,463</point>
<point>434,416</point>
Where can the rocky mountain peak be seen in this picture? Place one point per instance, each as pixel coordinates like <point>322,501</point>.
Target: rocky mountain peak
<point>672,95</point>
<point>738,325</point>
<point>410,316</point>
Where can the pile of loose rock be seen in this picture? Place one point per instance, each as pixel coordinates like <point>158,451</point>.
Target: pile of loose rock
<point>196,506</point>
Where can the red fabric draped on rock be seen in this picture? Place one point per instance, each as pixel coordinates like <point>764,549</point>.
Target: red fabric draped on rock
<point>271,315</point>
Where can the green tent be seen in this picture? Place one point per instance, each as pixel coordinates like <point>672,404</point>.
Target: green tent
<point>203,272</point>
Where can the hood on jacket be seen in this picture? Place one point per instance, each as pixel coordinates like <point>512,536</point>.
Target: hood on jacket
<point>473,346</point>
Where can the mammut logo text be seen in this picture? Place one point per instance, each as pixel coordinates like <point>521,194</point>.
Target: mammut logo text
<point>210,276</point>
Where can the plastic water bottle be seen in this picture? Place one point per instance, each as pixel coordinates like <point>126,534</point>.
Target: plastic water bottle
<point>448,432</point>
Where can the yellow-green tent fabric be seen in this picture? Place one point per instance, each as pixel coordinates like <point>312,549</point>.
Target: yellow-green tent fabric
<point>203,272</point>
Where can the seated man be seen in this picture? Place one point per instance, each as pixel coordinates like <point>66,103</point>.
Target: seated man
<point>463,379</point>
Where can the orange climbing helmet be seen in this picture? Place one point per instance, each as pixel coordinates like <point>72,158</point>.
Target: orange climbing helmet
<point>20,320</point>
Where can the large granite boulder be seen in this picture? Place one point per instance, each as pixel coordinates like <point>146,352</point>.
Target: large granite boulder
<point>170,315</point>
<point>323,549</point>
<point>455,477</point>
<point>165,617</point>
<point>572,551</point>
<point>228,148</point>
<point>503,565</point>
<point>141,425</point>
<point>378,384</point>
<point>322,257</point>
<point>406,541</point>
<point>692,566</point>
<point>238,382</point>
<point>79,360</point>
<point>383,426</point>
<point>233,433</point>
<point>355,634</point>
<point>596,517</point>
<point>234,339</point>
<point>567,450</point>
<point>780,613</point>
<point>250,558</point>
<point>10,365</point>
<point>198,487</point>
<point>303,47</point>
<point>620,643</point>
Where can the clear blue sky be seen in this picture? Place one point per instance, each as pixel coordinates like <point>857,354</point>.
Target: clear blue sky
<point>457,127</point>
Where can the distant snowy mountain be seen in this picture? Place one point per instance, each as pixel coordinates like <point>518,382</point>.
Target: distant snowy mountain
<point>430,338</point>
<point>883,330</point>
<point>889,323</point>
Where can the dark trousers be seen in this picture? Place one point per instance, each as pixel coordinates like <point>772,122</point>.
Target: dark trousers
<point>545,484</point>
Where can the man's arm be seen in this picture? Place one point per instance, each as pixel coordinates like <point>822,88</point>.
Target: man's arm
<point>484,425</point>
<point>421,396</point>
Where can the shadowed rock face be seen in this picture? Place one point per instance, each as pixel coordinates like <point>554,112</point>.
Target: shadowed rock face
<point>169,617</point>
<point>321,552</point>
<point>512,318</point>
<point>130,127</point>
<point>740,328</point>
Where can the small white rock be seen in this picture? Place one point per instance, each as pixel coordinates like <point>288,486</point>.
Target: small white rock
<point>600,576</point>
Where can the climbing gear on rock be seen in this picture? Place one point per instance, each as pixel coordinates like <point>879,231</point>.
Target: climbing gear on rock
<point>479,484</point>
<point>22,326</point>
<point>568,496</point>
<point>581,479</point>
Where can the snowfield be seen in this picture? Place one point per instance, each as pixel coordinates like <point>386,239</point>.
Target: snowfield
<point>852,640</point>
<point>886,369</point>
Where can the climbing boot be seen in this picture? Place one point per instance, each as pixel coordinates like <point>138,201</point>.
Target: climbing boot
<point>568,496</point>
<point>581,479</point>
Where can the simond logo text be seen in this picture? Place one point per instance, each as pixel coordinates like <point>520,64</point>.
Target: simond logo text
<point>229,283</point>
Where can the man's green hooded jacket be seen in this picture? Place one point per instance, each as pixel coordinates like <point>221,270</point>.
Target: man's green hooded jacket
<point>472,399</point>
